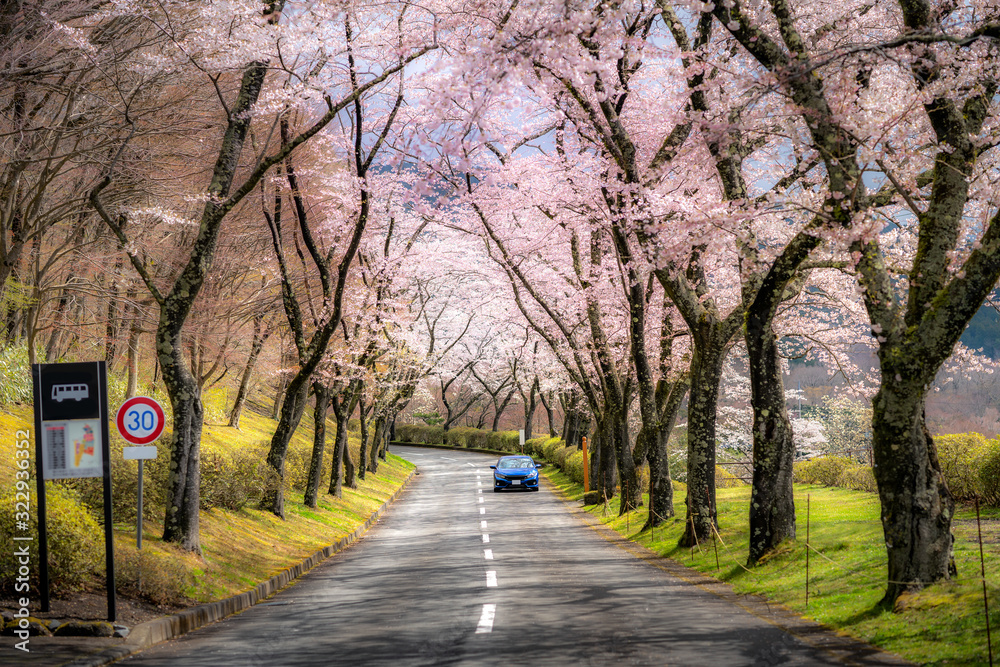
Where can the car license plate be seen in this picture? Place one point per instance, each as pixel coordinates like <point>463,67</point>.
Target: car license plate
<point>516,482</point>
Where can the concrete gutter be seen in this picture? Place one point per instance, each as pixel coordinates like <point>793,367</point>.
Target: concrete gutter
<point>158,630</point>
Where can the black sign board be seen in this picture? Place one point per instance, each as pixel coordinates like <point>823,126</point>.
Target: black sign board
<point>71,440</point>
<point>69,391</point>
<point>71,418</point>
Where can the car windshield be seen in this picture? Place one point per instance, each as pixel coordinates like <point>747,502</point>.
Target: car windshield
<point>516,463</point>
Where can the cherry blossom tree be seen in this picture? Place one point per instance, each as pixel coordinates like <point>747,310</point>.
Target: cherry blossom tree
<point>297,48</point>
<point>901,90</point>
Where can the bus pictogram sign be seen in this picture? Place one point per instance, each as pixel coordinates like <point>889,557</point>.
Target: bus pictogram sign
<point>140,420</point>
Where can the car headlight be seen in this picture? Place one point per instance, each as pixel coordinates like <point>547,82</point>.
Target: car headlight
<point>532,474</point>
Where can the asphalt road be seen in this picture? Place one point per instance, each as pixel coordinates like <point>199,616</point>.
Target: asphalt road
<point>455,574</point>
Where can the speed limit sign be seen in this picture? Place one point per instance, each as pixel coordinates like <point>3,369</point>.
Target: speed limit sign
<point>140,420</point>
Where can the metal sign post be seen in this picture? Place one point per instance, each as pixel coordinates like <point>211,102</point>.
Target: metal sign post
<point>140,421</point>
<point>140,454</point>
<point>71,441</point>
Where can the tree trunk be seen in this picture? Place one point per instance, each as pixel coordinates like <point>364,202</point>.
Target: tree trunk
<point>661,488</point>
<point>291,412</point>
<point>350,470</point>
<point>772,505</point>
<point>547,404</point>
<point>376,445</point>
<point>279,397</point>
<point>260,335</point>
<point>529,410</point>
<point>181,522</point>
<point>336,478</point>
<point>111,323</point>
<point>628,478</point>
<point>605,473</point>
<point>322,403</point>
<point>706,373</point>
<point>133,355</point>
<point>917,506</point>
<point>362,457</point>
<point>341,405</point>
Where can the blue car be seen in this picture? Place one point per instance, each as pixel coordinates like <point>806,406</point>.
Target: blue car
<point>515,472</point>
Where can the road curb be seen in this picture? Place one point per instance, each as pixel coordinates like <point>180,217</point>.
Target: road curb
<point>844,648</point>
<point>158,630</point>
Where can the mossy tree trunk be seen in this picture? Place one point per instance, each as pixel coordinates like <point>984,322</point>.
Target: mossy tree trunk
<point>343,414</point>
<point>710,351</point>
<point>261,332</point>
<point>772,504</point>
<point>321,397</point>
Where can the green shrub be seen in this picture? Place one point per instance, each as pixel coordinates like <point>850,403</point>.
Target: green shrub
<point>155,576</point>
<point>478,438</point>
<point>237,479</point>
<point>573,466</point>
<point>16,373</point>
<point>420,434</point>
<point>459,436</point>
<point>534,446</point>
<point>989,474</point>
<point>297,459</point>
<point>859,478</point>
<point>406,433</point>
<point>561,453</point>
<point>963,457</point>
<point>550,447</point>
<point>726,480</point>
<point>503,441</point>
<point>75,541</point>
<point>825,470</point>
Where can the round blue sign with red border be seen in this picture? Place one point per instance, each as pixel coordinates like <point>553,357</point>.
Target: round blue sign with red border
<point>140,420</point>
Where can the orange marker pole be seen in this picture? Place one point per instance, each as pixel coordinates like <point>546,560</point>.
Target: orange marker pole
<point>586,464</point>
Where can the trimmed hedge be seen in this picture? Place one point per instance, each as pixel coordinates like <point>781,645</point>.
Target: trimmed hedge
<point>534,445</point>
<point>504,441</point>
<point>825,470</point>
<point>836,471</point>
<point>724,479</point>
<point>970,463</point>
<point>859,478</point>
<point>420,434</point>
<point>460,436</point>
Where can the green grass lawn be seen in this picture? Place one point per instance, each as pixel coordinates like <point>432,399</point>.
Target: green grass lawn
<point>945,624</point>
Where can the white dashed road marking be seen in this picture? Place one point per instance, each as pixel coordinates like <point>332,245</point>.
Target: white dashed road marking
<point>482,524</point>
<point>488,553</point>
<point>486,620</point>
<point>491,579</point>
<point>486,538</point>
<point>482,510</point>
